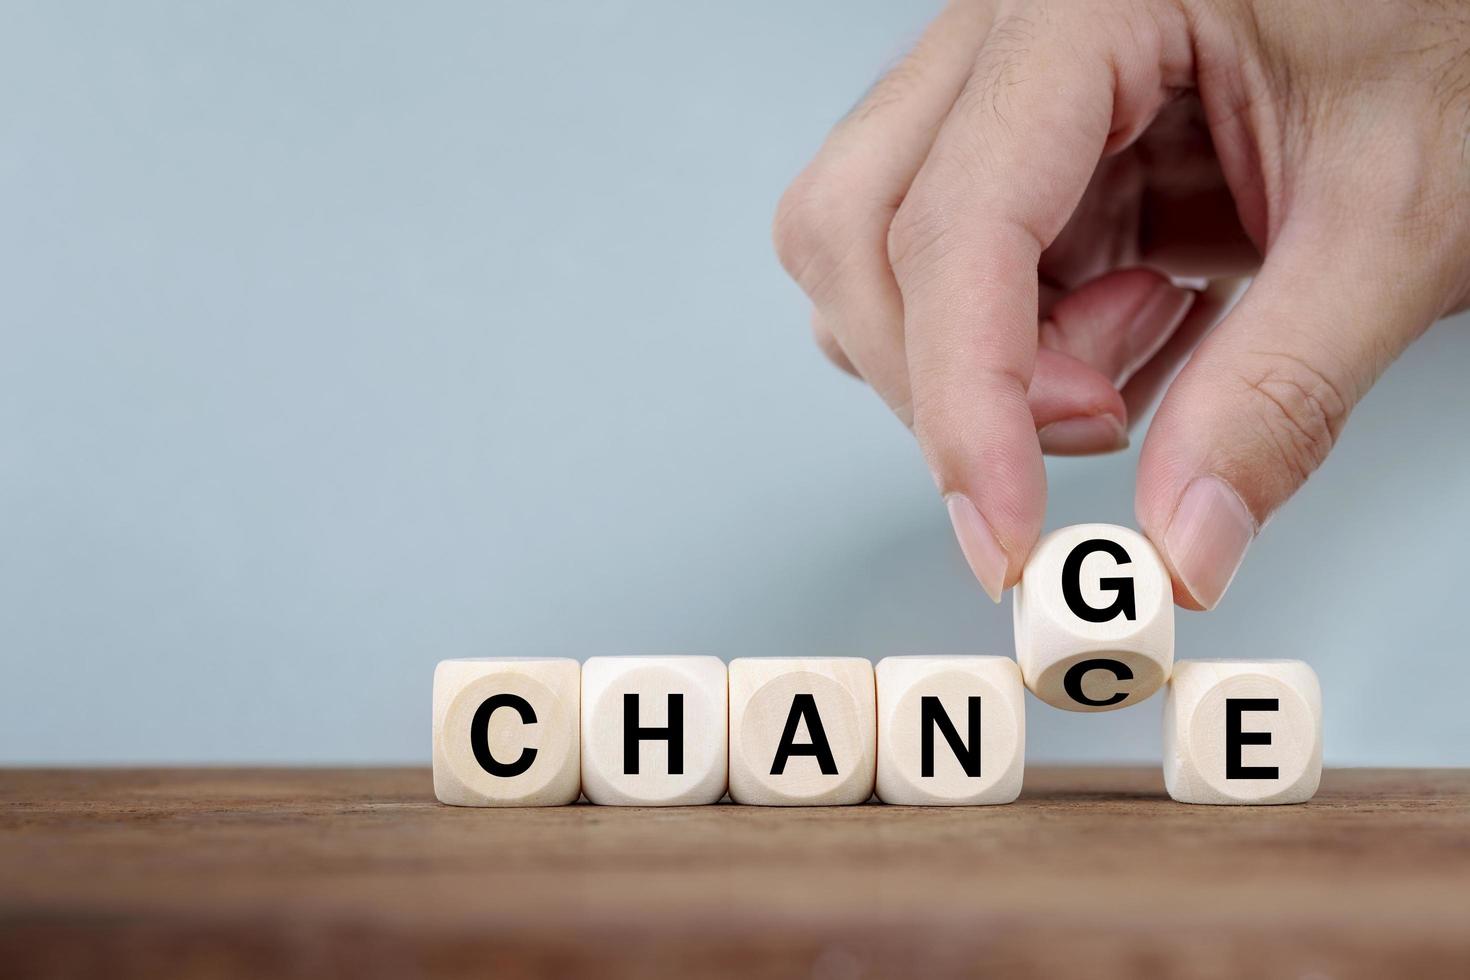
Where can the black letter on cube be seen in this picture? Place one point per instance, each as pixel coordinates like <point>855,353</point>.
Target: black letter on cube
<point>804,706</point>
<point>931,716</point>
<point>673,734</point>
<point>1072,583</point>
<point>480,735</point>
<point>1072,680</point>
<point>1235,738</point>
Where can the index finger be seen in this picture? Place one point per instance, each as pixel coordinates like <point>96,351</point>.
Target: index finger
<point>1010,164</point>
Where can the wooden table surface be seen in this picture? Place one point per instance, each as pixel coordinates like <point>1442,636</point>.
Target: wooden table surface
<point>1094,872</point>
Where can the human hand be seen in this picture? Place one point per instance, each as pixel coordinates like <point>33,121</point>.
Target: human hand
<point>985,239</point>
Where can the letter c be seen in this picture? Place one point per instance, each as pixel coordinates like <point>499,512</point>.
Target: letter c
<point>480,735</point>
<point>1072,680</point>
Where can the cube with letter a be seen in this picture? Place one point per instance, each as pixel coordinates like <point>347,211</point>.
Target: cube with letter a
<point>803,731</point>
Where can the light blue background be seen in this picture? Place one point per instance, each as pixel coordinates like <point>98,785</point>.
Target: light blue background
<point>339,338</point>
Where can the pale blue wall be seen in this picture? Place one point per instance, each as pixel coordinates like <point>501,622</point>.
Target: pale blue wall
<point>339,338</point>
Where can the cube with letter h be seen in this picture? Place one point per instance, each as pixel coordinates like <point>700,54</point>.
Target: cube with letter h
<point>1243,731</point>
<point>654,730</point>
<point>1094,619</point>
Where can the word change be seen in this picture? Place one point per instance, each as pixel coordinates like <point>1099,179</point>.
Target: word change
<point>1094,624</point>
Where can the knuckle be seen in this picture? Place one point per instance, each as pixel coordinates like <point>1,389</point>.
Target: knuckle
<point>816,227</point>
<point>892,89</point>
<point>792,231</point>
<point>918,233</point>
<point>999,67</point>
<point>1299,409</point>
<point>826,342</point>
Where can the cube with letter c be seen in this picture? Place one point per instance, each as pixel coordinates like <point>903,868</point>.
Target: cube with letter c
<point>1094,619</point>
<point>506,731</point>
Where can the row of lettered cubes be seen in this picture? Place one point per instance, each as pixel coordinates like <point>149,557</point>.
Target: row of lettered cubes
<point>658,731</point>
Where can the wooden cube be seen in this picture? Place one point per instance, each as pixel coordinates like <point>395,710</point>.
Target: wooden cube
<point>506,731</point>
<point>951,730</point>
<point>803,732</point>
<point>1243,732</point>
<point>1094,619</point>
<point>654,730</point>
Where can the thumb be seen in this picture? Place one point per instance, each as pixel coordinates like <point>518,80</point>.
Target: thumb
<point>1262,401</point>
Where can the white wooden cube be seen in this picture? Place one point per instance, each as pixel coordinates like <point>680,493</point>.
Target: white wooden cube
<point>506,731</point>
<point>951,730</point>
<point>1094,619</point>
<point>1243,732</point>
<point>803,731</point>
<point>654,730</point>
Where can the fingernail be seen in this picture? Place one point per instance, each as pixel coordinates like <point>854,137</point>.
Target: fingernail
<point>1155,320</point>
<point>1083,436</point>
<point>981,549</point>
<point>1207,538</point>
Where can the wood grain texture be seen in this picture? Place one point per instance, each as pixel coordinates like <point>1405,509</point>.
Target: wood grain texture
<point>295,873</point>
